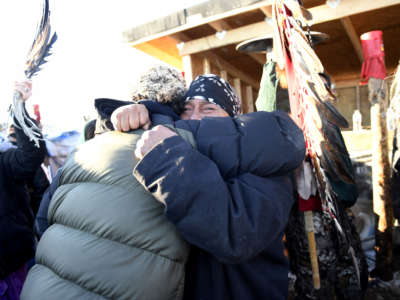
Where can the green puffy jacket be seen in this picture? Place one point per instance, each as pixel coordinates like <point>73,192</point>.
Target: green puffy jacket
<point>108,237</point>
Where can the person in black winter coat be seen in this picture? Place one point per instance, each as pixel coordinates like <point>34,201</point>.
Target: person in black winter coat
<point>232,213</point>
<point>17,164</point>
<point>38,184</point>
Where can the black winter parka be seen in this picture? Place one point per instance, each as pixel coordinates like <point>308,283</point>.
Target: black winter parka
<point>16,218</point>
<point>233,212</point>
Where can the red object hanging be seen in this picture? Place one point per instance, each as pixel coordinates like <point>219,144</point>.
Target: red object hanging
<point>374,56</point>
<point>313,203</point>
<point>37,112</point>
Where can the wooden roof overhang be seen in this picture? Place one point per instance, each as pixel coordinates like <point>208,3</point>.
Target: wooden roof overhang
<point>191,34</point>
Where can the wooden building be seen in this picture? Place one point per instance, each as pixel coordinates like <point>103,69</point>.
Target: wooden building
<point>202,39</point>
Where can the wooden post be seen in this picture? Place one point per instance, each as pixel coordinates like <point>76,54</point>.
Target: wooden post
<point>206,66</point>
<point>224,75</point>
<point>382,201</point>
<point>353,36</point>
<point>358,97</point>
<point>188,68</point>
<point>249,100</point>
<point>312,247</point>
<point>237,85</point>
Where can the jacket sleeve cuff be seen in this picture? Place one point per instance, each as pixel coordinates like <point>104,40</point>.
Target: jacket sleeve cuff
<point>159,160</point>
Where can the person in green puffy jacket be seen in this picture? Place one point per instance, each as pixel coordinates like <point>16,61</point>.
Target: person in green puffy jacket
<point>107,237</point>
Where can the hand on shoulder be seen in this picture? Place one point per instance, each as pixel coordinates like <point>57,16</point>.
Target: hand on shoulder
<point>151,138</point>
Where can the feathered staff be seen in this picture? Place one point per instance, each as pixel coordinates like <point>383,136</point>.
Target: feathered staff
<point>312,109</point>
<point>39,50</point>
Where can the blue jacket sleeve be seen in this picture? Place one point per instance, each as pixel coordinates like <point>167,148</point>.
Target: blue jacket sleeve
<point>261,143</point>
<point>233,219</point>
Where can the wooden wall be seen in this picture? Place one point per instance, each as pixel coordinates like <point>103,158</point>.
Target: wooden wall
<point>347,103</point>
<point>196,64</point>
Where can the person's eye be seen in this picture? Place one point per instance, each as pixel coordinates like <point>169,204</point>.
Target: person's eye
<point>209,108</point>
<point>187,109</point>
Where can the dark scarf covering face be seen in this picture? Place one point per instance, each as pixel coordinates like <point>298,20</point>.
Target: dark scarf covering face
<point>216,90</point>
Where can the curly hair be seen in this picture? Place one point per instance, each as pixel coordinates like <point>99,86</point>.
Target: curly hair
<point>162,84</point>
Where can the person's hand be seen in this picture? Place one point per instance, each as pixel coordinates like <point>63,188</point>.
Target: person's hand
<point>24,88</point>
<point>130,117</point>
<point>151,138</point>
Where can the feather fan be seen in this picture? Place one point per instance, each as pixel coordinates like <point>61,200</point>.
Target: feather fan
<point>311,105</point>
<point>39,50</point>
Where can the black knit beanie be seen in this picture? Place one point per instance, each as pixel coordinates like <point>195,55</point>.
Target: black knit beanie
<point>216,90</point>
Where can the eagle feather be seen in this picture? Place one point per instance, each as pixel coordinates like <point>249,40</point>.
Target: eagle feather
<point>39,50</point>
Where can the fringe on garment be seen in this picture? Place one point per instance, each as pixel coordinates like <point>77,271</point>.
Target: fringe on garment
<point>29,127</point>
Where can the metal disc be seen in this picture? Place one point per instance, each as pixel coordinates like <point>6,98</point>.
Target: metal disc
<point>265,43</point>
